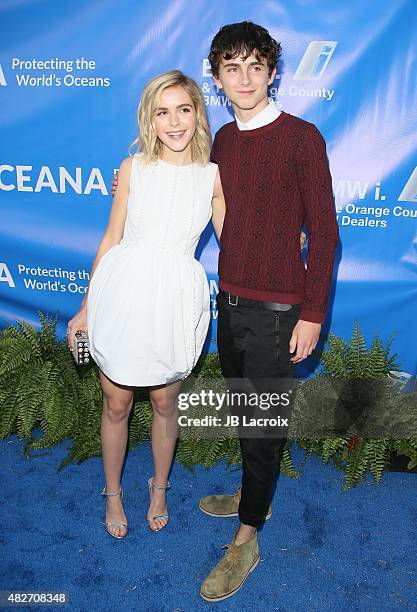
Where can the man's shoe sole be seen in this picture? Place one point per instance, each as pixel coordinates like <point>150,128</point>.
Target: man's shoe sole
<point>252,567</point>
<point>268,516</point>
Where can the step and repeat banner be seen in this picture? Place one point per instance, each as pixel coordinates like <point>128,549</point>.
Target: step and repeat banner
<point>71,75</point>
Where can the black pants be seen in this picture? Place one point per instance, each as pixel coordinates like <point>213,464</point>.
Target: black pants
<point>253,344</point>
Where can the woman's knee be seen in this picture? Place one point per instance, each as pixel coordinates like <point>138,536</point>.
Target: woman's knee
<point>117,409</point>
<point>164,406</point>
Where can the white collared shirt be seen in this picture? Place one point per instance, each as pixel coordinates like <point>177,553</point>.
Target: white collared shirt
<point>264,117</point>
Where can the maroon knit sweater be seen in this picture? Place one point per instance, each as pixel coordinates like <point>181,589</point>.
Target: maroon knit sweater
<point>275,179</point>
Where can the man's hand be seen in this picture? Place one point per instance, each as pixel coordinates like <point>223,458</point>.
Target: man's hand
<point>114,184</point>
<point>304,338</point>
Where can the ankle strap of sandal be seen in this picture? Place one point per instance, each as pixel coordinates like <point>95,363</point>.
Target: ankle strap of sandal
<point>167,486</point>
<point>119,492</point>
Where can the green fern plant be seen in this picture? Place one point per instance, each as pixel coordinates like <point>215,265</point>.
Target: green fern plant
<point>41,389</point>
<point>346,364</point>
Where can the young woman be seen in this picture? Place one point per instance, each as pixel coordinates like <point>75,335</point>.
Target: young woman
<point>147,306</point>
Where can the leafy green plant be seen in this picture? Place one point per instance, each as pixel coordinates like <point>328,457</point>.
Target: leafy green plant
<point>362,378</point>
<point>42,390</point>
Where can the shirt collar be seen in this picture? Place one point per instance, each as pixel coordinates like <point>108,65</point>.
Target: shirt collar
<point>264,117</point>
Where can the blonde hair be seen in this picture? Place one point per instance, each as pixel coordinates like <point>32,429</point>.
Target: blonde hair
<point>147,141</point>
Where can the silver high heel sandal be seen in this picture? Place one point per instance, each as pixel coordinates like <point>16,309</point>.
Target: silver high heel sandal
<point>151,520</point>
<point>118,537</point>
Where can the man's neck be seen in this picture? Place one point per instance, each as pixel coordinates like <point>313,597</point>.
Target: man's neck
<point>245,115</point>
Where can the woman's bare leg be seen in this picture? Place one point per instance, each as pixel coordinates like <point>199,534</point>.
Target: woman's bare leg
<point>164,437</point>
<point>117,404</point>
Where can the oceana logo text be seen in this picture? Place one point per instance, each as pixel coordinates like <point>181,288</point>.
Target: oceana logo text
<point>5,276</point>
<point>58,180</point>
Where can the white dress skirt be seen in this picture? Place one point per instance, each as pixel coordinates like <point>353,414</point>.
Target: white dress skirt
<point>148,305</point>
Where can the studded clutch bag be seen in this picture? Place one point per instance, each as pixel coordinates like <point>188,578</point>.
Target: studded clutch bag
<point>81,348</point>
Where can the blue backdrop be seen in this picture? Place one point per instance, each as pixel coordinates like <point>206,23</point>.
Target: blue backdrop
<point>71,75</point>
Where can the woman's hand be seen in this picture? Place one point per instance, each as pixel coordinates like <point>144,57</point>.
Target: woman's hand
<point>78,322</point>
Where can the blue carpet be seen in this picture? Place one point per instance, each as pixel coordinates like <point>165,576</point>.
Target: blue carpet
<point>322,550</point>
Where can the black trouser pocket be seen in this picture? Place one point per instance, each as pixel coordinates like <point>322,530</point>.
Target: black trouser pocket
<point>277,334</point>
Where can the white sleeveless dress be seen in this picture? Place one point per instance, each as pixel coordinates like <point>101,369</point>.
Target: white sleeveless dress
<point>148,305</point>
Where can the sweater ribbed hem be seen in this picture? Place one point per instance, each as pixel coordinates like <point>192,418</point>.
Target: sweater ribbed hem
<point>262,296</point>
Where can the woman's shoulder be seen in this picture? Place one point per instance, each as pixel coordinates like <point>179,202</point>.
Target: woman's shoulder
<point>209,167</point>
<point>214,169</point>
<point>136,158</point>
<point>125,171</point>
<point>126,164</point>
<point>208,174</point>
<point>129,162</point>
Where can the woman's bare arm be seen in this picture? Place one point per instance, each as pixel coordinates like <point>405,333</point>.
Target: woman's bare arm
<point>112,236</point>
<point>218,206</point>
<point>114,231</point>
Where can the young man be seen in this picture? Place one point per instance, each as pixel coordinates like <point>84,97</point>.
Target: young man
<point>276,179</point>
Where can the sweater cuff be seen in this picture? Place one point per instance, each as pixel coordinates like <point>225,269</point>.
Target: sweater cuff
<point>312,316</point>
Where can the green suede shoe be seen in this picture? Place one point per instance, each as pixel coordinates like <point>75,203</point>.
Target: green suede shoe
<point>224,505</point>
<point>231,571</point>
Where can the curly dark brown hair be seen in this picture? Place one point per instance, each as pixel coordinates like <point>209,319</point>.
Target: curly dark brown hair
<point>243,39</point>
